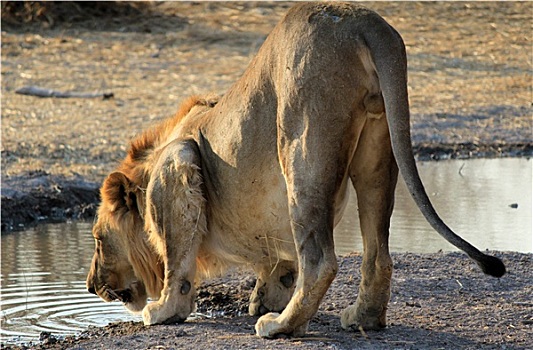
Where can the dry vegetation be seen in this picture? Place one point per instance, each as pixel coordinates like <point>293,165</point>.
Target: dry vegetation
<point>470,73</point>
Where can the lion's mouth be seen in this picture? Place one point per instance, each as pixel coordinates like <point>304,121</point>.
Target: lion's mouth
<point>123,295</point>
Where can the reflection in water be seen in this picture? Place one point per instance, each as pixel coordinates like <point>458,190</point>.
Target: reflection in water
<point>44,269</point>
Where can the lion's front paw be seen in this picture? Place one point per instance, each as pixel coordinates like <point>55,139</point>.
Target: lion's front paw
<point>353,318</point>
<point>156,313</point>
<point>271,325</point>
<point>268,325</point>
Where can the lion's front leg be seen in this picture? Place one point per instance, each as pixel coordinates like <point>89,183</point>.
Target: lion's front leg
<point>273,288</point>
<point>176,221</point>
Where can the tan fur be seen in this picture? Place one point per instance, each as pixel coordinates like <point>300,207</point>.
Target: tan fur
<point>260,179</point>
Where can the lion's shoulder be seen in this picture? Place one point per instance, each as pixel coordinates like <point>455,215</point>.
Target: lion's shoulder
<point>138,161</point>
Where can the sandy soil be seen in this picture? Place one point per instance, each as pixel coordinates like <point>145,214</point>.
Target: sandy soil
<point>470,92</point>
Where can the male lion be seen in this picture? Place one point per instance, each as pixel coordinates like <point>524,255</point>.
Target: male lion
<point>260,178</point>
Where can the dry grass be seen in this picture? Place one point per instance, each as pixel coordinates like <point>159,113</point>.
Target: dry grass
<point>469,69</point>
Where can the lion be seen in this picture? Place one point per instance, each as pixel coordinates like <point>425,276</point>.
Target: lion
<point>259,178</point>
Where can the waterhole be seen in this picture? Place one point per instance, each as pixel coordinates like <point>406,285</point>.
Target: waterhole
<point>43,269</point>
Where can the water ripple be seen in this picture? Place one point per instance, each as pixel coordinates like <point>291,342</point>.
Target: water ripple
<point>26,312</point>
<point>43,290</point>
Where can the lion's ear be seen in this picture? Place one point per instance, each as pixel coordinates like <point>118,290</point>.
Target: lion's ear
<point>119,192</point>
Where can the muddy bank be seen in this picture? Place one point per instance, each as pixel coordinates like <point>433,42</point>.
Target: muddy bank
<point>39,197</point>
<point>439,301</point>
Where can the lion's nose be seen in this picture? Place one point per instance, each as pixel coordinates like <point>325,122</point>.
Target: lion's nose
<point>91,290</point>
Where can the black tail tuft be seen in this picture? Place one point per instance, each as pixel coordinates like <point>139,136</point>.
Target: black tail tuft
<point>491,265</point>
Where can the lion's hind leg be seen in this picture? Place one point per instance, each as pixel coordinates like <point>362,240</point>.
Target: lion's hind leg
<point>374,173</point>
<point>176,223</point>
<point>273,288</point>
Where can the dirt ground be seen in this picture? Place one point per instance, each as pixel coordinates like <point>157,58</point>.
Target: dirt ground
<point>470,94</point>
<point>439,301</point>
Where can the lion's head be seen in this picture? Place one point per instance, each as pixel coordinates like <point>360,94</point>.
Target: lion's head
<point>125,265</point>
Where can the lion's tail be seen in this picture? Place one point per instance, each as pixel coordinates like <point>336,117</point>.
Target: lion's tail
<point>391,66</point>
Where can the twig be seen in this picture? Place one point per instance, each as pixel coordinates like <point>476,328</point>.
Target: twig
<point>42,92</point>
<point>461,169</point>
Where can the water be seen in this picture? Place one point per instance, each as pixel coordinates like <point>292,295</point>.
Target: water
<point>44,269</point>
<point>43,284</point>
<point>474,197</point>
